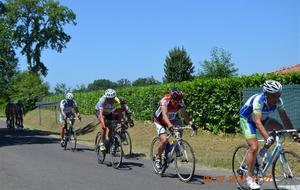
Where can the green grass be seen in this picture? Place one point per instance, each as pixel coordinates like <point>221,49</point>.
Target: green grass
<point>211,150</point>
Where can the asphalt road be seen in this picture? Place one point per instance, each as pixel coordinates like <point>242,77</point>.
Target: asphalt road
<point>32,160</point>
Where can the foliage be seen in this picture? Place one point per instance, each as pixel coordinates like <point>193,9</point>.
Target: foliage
<point>101,84</point>
<point>29,88</point>
<point>61,88</point>
<point>38,25</point>
<point>123,83</point>
<point>212,103</point>
<point>219,66</point>
<point>145,81</point>
<point>178,66</point>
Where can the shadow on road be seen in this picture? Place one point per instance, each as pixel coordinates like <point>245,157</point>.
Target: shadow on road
<point>87,129</point>
<point>16,137</point>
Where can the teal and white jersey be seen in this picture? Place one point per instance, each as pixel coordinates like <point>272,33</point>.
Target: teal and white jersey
<point>258,104</point>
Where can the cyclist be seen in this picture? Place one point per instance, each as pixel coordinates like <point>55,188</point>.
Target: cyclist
<point>255,115</point>
<point>105,107</point>
<point>10,111</point>
<point>19,113</point>
<point>166,117</point>
<point>66,106</point>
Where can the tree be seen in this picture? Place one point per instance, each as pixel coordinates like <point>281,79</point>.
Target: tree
<point>38,25</point>
<point>29,87</point>
<point>219,65</point>
<point>145,81</point>
<point>101,84</point>
<point>178,66</point>
<point>61,88</point>
<point>8,60</point>
<point>123,83</point>
<point>80,88</point>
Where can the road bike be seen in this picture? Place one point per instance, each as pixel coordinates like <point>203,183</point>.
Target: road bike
<point>181,153</point>
<point>285,165</point>
<point>113,146</point>
<point>70,138</point>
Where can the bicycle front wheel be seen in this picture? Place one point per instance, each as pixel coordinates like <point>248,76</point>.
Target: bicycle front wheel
<point>126,143</point>
<point>73,140</point>
<point>184,161</point>
<point>239,166</point>
<point>116,152</point>
<point>286,171</point>
<point>100,154</point>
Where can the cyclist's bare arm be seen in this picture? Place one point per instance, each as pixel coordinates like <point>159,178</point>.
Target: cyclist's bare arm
<point>164,110</point>
<point>101,119</point>
<point>285,119</point>
<point>260,126</point>
<point>185,115</point>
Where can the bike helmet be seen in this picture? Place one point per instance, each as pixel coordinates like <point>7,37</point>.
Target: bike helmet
<point>272,86</point>
<point>110,93</point>
<point>176,94</point>
<point>69,96</point>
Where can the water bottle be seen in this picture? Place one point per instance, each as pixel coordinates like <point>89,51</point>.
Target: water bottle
<point>264,153</point>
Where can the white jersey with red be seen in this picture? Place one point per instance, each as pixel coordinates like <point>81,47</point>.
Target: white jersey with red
<point>172,110</point>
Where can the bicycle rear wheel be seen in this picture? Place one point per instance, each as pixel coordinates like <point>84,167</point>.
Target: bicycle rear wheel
<point>184,161</point>
<point>100,154</point>
<point>286,171</point>
<point>126,142</point>
<point>239,166</point>
<point>116,151</point>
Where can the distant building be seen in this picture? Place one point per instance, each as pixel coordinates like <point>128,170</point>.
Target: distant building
<point>291,69</point>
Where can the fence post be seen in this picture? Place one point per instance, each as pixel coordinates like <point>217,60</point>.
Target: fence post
<point>40,115</point>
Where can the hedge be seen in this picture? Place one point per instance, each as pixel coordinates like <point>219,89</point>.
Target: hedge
<point>212,103</point>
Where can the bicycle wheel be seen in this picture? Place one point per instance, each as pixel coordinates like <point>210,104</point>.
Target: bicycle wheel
<point>72,140</point>
<point>184,161</point>
<point>286,171</point>
<point>65,139</point>
<point>116,151</point>
<point>153,152</point>
<point>100,155</point>
<point>126,143</point>
<point>239,166</point>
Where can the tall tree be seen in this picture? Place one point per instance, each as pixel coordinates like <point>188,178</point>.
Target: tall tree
<point>178,66</point>
<point>145,81</point>
<point>38,25</point>
<point>219,65</point>
<point>8,60</point>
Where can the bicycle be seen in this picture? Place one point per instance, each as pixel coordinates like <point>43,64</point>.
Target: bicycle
<point>70,134</point>
<point>113,146</point>
<point>181,153</point>
<point>282,162</point>
<point>125,138</point>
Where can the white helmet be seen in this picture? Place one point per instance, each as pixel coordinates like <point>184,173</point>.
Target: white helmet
<point>272,86</point>
<point>110,93</point>
<point>69,96</point>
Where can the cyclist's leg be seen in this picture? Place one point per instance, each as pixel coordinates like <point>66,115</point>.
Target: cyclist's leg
<point>161,131</point>
<point>62,126</point>
<point>7,118</point>
<point>251,139</point>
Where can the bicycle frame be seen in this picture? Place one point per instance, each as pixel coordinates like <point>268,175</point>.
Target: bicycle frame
<point>277,151</point>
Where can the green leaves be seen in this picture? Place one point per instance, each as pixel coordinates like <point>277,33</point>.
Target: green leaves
<point>213,104</point>
<point>38,25</point>
<point>178,66</point>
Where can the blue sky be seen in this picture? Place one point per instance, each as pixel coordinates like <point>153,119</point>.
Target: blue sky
<point>131,39</point>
